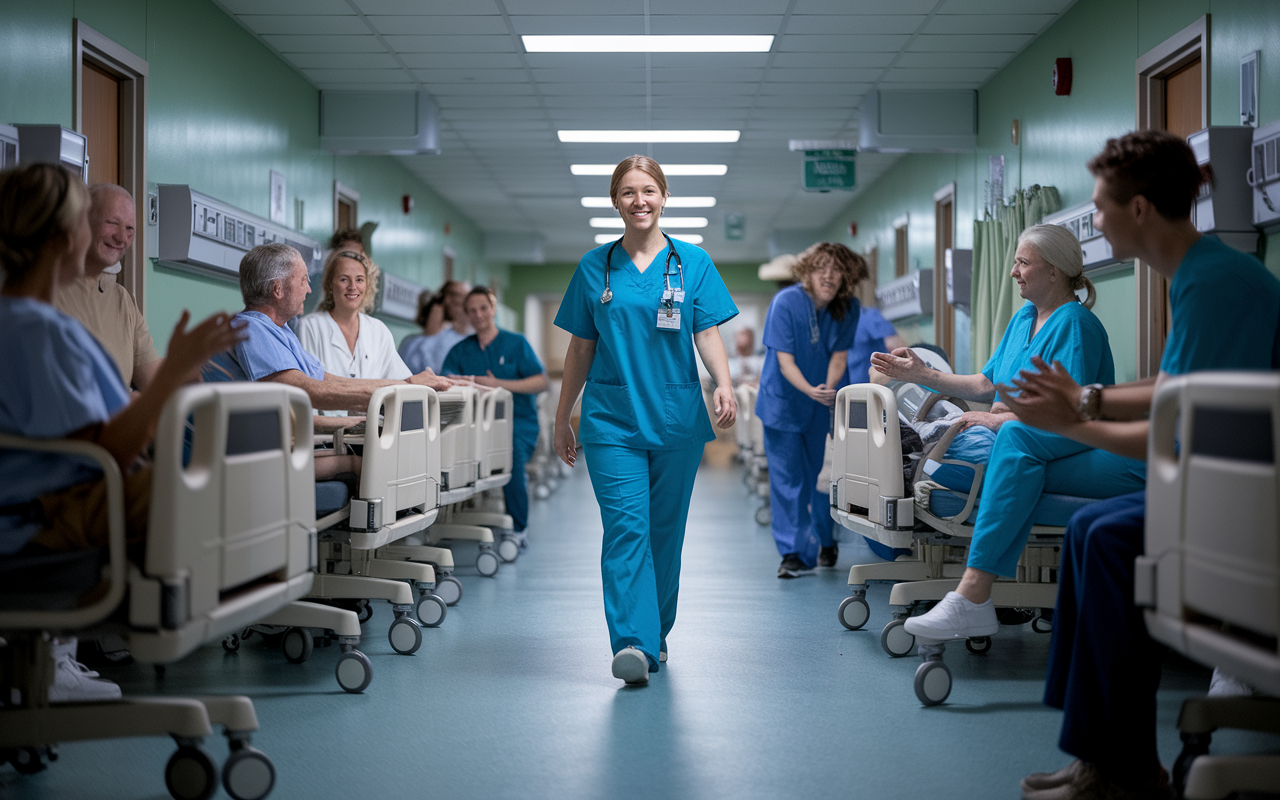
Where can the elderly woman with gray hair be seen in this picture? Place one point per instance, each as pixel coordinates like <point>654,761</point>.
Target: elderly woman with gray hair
<point>1021,462</point>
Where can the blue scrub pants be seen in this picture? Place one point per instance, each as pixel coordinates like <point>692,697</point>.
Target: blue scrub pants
<point>516,492</point>
<point>1104,669</point>
<point>644,503</point>
<point>1025,463</point>
<point>801,512</point>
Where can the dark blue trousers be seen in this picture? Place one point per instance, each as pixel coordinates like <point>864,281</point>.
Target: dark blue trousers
<point>516,492</point>
<point>1104,669</point>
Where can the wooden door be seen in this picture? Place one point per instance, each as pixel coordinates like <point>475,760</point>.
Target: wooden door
<point>346,216</point>
<point>100,122</point>
<point>944,238</point>
<point>900,251</point>
<point>1182,100</point>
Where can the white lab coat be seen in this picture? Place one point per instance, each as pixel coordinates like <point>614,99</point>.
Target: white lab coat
<point>375,353</point>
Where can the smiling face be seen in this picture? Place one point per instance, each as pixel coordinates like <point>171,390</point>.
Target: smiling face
<point>1038,281</point>
<point>111,221</point>
<point>348,288</point>
<point>823,283</point>
<point>480,312</point>
<point>454,295</point>
<point>639,200</point>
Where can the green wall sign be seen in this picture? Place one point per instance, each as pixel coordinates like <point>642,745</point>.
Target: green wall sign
<point>825,170</point>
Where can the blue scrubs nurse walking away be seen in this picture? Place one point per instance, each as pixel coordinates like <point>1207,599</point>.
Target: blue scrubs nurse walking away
<point>807,335</point>
<point>636,308</point>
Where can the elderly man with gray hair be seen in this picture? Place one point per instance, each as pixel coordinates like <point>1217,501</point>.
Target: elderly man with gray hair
<point>274,284</point>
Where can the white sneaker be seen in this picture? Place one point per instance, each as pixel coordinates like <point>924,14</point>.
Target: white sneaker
<point>73,682</point>
<point>1224,685</point>
<point>955,617</point>
<point>631,667</point>
<point>662,657</point>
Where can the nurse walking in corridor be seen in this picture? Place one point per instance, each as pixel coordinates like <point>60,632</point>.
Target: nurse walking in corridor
<point>636,308</point>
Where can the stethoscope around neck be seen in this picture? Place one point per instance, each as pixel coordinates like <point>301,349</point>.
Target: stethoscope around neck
<point>607,295</point>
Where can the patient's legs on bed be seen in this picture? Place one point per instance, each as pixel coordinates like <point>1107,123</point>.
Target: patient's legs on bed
<point>327,466</point>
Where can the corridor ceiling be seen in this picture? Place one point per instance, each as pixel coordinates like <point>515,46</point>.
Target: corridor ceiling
<point>500,106</point>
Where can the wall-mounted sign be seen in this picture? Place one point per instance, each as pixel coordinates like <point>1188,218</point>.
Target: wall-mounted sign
<point>398,298</point>
<point>735,226</point>
<point>825,170</point>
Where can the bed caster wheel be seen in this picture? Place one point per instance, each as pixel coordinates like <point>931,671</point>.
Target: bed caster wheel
<point>248,774</point>
<point>487,563</point>
<point>1015,616</point>
<point>854,612</point>
<point>431,610</point>
<point>1042,625</point>
<point>297,644</point>
<point>933,682</point>
<point>26,760</point>
<point>190,774</point>
<point>449,589</point>
<point>354,671</point>
<point>231,643</point>
<point>764,516</point>
<point>364,611</point>
<point>508,550</point>
<point>978,645</point>
<point>895,640</point>
<point>405,636</point>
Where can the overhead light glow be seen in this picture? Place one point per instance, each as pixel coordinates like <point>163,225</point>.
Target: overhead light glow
<point>677,43</point>
<point>667,222</point>
<point>691,238</point>
<point>649,137</point>
<point>672,202</point>
<point>671,170</point>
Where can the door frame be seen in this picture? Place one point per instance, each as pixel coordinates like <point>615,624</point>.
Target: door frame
<point>944,331</point>
<point>134,74</point>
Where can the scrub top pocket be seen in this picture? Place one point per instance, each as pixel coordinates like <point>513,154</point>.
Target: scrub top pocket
<point>607,414</point>
<point>685,411</point>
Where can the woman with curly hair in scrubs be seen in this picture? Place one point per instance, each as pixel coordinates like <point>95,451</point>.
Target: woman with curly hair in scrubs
<point>807,335</point>
<point>636,309</point>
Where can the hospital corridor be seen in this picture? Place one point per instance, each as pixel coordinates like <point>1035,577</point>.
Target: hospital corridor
<point>654,399</point>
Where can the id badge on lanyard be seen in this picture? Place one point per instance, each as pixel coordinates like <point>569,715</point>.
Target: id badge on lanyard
<point>669,310</point>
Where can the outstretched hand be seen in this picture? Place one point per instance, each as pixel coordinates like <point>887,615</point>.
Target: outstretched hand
<point>190,349</point>
<point>901,365</point>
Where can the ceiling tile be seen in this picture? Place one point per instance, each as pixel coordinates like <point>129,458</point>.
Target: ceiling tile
<point>450,44</point>
<point>571,7</point>
<point>324,44</point>
<point>1006,6</point>
<point>436,25</point>
<point>860,24</point>
<point>830,75</point>
<point>438,89</point>
<point>736,24</point>
<point>585,61</point>
<point>290,7</point>
<point>437,7</point>
<point>818,43</point>
<point>976,75</point>
<point>863,7</point>
<point>952,59</point>
<point>354,61</point>
<point>717,7</point>
<point>580,24</point>
<point>702,90</point>
<point>819,90</point>
<point>1008,43</point>
<point>835,60</point>
<point>294,24</point>
<point>472,101</point>
<point>710,60</point>
<point>989,23</point>
<point>602,75</point>
<point>478,76</point>
<point>462,60</point>
<point>336,76</point>
<point>629,89</point>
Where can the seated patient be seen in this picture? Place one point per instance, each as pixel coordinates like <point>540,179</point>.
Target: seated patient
<point>61,383</point>
<point>274,284</point>
<point>1022,463</point>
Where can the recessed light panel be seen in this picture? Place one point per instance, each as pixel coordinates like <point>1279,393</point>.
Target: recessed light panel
<point>672,202</point>
<point>649,137</point>
<point>667,222</point>
<point>671,170</point>
<point>691,238</point>
<point>648,44</point>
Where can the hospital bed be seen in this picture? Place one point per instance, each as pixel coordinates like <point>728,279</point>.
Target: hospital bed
<point>870,496</point>
<point>545,470</point>
<point>750,437</point>
<point>494,453</point>
<point>1210,578</point>
<point>231,539</point>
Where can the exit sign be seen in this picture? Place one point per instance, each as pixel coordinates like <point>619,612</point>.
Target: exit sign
<point>825,170</point>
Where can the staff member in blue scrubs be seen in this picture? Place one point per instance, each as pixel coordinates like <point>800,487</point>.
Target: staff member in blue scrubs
<point>636,309</point>
<point>494,357</point>
<point>807,335</point>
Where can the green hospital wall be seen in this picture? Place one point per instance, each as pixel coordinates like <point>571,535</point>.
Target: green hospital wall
<point>223,111</point>
<point>1103,38</point>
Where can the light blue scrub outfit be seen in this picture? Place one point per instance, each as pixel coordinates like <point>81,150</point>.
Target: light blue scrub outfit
<point>795,426</point>
<point>269,348</point>
<point>1025,462</point>
<point>643,428</point>
<point>58,379</point>
<point>509,357</point>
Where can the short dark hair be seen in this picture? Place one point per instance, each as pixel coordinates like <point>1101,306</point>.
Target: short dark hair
<point>343,235</point>
<point>427,300</point>
<point>481,291</point>
<point>1158,165</point>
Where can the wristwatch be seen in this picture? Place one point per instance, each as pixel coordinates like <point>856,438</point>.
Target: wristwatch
<point>1090,404</point>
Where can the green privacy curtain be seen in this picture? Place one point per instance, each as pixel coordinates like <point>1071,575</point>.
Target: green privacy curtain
<point>995,238</point>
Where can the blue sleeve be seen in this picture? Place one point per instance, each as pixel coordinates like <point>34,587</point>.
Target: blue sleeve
<point>263,354</point>
<point>712,304</point>
<point>874,325</point>
<point>453,361</point>
<point>528,364</point>
<point>780,324</point>
<point>52,390</point>
<point>1082,347</point>
<point>998,357</point>
<point>575,314</point>
<point>847,330</point>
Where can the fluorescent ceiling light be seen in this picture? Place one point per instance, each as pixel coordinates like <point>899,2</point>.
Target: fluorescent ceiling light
<point>691,238</point>
<point>672,170</point>
<point>649,137</point>
<point>682,43</point>
<point>666,222</point>
<point>672,202</point>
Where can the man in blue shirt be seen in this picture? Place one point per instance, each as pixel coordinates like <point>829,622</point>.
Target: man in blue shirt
<point>498,358</point>
<point>1104,669</point>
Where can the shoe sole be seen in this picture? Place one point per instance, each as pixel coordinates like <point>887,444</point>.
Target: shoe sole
<point>955,637</point>
<point>631,670</point>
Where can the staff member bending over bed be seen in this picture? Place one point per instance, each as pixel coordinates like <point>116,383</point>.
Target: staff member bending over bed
<point>1021,461</point>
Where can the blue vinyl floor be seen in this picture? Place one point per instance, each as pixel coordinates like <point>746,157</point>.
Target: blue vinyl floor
<point>765,696</point>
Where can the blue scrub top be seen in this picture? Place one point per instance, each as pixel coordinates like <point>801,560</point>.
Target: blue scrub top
<point>868,339</point>
<point>271,348</point>
<point>1072,335</point>
<point>1226,312</point>
<point>508,357</point>
<point>58,379</point>
<point>643,389</point>
<point>789,328</point>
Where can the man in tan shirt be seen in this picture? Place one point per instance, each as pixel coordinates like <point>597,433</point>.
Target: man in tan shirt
<point>102,304</point>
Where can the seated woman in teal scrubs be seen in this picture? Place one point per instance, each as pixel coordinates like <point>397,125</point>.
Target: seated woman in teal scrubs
<point>1022,462</point>
<point>636,309</point>
<point>494,357</point>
